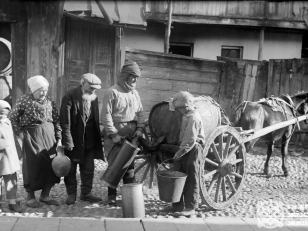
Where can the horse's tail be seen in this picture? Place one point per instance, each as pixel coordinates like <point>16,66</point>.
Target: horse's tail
<point>238,113</point>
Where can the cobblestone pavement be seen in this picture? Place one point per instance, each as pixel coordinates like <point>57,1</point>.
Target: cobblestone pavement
<point>291,193</point>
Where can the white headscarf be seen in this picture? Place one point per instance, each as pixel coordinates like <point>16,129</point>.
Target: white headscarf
<point>37,82</point>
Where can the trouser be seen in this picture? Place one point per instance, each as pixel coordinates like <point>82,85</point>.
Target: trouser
<point>190,165</point>
<point>125,129</point>
<point>10,182</point>
<point>86,175</point>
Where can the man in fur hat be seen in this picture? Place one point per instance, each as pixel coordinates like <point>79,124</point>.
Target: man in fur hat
<point>122,116</point>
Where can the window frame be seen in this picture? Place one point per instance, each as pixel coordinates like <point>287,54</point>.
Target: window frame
<point>241,48</point>
<point>191,45</point>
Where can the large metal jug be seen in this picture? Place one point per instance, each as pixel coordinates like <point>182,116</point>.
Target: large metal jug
<point>61,164</point>
<point>121,156</point>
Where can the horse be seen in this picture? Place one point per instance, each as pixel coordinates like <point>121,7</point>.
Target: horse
<point>256,115</point>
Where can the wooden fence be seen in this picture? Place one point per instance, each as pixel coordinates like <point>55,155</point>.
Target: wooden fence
<point>163,75</point>
<point>229,81</point>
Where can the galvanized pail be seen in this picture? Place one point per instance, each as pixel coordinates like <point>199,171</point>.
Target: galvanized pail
<point>132,201</point>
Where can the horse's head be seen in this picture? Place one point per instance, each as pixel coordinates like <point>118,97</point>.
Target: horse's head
<point>302,109</point>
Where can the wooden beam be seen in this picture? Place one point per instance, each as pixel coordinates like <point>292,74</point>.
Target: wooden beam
<point>161,17</point>
<point>261,42</point>
<point>104,12</point>
<point>168,27</point>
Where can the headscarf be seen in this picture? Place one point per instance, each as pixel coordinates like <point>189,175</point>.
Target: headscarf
<point>182,99</point>
<point>130,68</point>
<point>5,107</point>
<point>36,82</point>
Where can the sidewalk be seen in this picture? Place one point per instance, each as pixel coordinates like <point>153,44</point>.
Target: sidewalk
<point>146,224</point>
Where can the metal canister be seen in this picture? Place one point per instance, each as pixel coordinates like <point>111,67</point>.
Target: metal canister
<point>132,201</point>
<point>120,158</point>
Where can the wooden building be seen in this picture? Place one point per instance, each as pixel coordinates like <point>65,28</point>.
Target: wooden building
<point>255,30</point>
<point>62,40</point>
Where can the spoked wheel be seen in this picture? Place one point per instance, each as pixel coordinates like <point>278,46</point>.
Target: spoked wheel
<point>149,164</point>
<point>222,170</point>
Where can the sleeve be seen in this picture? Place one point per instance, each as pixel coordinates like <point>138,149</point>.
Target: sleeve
<point>139,112</point>
<point>15,114</point>
<point>3,142</point>
<point>107,113</point>
<point>65,122</point>
<point>56,121</point>
<point>190,136</point>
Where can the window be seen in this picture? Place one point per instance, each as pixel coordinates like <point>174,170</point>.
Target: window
<point>232,52</point>
<point>305,46</point>
<point>181,49</point>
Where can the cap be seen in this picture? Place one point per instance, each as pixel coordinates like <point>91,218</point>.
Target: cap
<point>93,80</point>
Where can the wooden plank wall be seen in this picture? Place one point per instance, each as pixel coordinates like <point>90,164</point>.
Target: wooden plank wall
<point>163,75</point>
<point>243,80</point>
<point>289,76</point>
<point>44,26</point>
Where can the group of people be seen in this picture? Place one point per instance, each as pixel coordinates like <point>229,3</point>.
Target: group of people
<point>36,121</point>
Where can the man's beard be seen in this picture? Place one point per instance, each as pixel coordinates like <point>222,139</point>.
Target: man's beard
<point>89,97</point>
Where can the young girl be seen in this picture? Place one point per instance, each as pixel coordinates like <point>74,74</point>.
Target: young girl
<point>9,156</point>
<point>188,158</point>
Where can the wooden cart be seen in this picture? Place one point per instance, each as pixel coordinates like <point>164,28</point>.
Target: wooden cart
<point>223,168</point>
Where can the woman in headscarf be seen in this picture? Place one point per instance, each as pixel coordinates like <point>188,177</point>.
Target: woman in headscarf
<point>36,119</point>
<point>122,116</point>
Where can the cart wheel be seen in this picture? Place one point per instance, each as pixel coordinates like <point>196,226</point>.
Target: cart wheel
<point>222,170</point>
<point>149,163</point>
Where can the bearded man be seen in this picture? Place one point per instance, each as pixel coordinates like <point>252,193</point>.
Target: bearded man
<point>79,119</point>
<point>122,116</point>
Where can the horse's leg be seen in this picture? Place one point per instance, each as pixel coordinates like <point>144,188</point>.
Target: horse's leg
<point>284,150</point>
<point>270,149</point>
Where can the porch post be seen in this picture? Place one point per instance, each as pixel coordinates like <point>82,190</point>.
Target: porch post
<point>261,42</point>
<point>168,27</point>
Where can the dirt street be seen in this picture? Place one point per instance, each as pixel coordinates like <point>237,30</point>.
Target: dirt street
<point>289,195</point>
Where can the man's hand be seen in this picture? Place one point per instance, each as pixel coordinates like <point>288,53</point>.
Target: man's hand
<point>138,133</point>
<point>116,139</point>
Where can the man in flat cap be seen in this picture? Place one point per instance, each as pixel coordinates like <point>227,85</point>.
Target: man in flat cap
<point>122,116</point>
<point>79,119</point>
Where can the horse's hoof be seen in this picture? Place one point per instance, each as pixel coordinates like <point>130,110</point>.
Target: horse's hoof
<point>265,171</point>
<point>286,174</point>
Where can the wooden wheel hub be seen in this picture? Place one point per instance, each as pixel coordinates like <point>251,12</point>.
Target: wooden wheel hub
<point>226,168</point>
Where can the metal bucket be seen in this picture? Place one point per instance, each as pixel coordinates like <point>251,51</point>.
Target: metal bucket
<point>132,201</point>
<point>170,185</point>
<point>121,156</point>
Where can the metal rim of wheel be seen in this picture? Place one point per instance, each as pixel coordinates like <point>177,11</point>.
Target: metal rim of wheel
<point>222,169</point>
<point>8,69</point>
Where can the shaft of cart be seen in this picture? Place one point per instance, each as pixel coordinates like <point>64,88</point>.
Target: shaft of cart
<point>256,134</point>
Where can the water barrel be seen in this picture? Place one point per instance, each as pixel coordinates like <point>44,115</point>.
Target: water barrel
<point>164,122</point>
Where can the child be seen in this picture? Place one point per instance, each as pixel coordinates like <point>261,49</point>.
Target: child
<point>9,157</point>
<point>188,158</point>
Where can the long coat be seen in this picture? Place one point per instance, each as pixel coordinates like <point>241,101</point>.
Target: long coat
<point>10,151</point>
<point>73,126</point>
